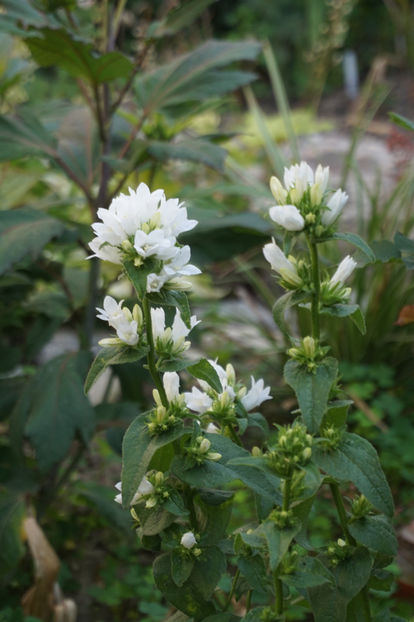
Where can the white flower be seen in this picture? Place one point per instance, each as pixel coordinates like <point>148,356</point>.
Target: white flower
<point>281,264</point>
<point>297,178</point>
<point>212,429</point>
<point>335,204</point>
<point>188,540</point>
<point>145,488</point>
<point>344,270</point>
<point>155,243</point>
<point>158,322</point>
<point>179,266</point>
<point>171,339</point>
<point>278,190</point>
<point>155,282</point>
<point>171,382</point>
<point>198,401</point>
<point>125,324</point>
<point>257,394</point>
<point>318,189</point>
<point>174,219</point>
<point>288,217</point>
<point>179,329</point>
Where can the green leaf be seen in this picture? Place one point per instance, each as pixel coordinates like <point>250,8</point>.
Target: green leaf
<point>310,572</point>
<point>337,412</point>
<point>345,310</point>
<point>402,121</point>
<point>113,355</point>
<point>188,598</point>
<point>209,474</point>
<point>214,520</point>
<point>254,570</point>
<point>102,498</point>
<point>174,365</point>
<point>137,450</point>
<point>181,567</point>
<point>208,570</point>
<point>406,248</point>
<point>180,17</point>
<point>376,533</point>
<point>56,47</point>
<point>191,149</point>
<point>278,541</point>
<point>282,305</point>
<point>11,544</point>
<point>205,371</point>
<point>173,298</point>
<point>24,232</point>
<point>154,520</point>
<point>58,408</point>
<point>357,461</point>
<point>312,389</point>
<point>162,87</point>
<point>138,276</point>
<point>355,240</point>
<point>24,136</point>
<point>385,250</point>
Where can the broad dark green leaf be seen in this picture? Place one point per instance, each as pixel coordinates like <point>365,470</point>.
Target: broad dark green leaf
<point>376,533</point>
<point>138,276</point>
<point>56,47</point>
<point>11,543</point>
<point>113,355</point>
<point>310,572</point>
<point>173,298</point>
<point>282,305</point>
<point>191,149</point>
<point>181,567</point>
<point>24,136</point>
<point>208,570</point>
<point>137,450</point>
<point>312,389</point>
<point>58,408</point>
<point>209,474</point>
<point>154,520</point>
<point>188,598</point>
<point>24,232</point>
<point>346,310</point>
<point>355,240</point>
<point>174,365</point>
<point>224,616</point>
<point>254,570</point>
<point>214,520</point>
<point>278,541</point>
<point>337,412</point>
<point>356,461</point>
<point>205,371</point>
<point>385,250</point>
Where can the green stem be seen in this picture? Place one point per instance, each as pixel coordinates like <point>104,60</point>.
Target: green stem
<point>248,600</point>
<point>233,435</point>
<point>233,589</point>
<point>278,594</point>
<point>316,288</point>
<point>365,604</point>
<point>340,508</point>
<point>151,354</point>
<point>286,494</point>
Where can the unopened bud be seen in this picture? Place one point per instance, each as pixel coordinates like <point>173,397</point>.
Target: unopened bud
<point>309,347</point>
<point>307,453</point>
<point>188,540</point>
<point>205,445</point>
<point>256,452</point>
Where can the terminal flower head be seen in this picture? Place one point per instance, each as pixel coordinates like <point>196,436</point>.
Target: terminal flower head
<point>256,395</point>
<point>170,341</point>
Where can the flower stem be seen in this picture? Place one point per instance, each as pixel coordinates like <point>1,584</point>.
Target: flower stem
<point>278,594</point>
<point>316,288</point>
<point>286,493</point>
<point>340,508</point>
<point>233,589</point>
<point>146,307</point>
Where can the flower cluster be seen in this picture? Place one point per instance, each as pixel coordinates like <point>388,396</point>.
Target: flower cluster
<point>293,449</point>
<point>302,200</point>
<point>334,290</point>
<point>145,488</point>
<point>199,451</point>
<point>170,341</point>
<point>222,406</point>
<point>142,227</point>
<point>126,324</point>
<point>308,352</point>
<point>163,418</point>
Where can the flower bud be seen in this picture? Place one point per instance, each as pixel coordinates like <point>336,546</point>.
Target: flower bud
<point>205,446</point>
<point>188,540</point>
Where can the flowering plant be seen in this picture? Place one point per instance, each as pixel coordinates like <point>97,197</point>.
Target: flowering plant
<point>181,459</point>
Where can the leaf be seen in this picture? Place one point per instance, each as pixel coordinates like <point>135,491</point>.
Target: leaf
<point>406,248</point>
<point>357,461</point>
<point>345,310</point>
<point>188,598</point>
<point>208,570</point>
<point>191,149</point>
<point>102,498</point>
<point>278,541</point>
<point>282,305</point>
<point>337,412</point>
<point>224,616</point>
<point>112,355</point>
<point>56,47</point>
<point>159,89</point>
<point>24,136</point>
<point>138,276</point>
<point>11,543</point>
<point>385,250</point>
<point>312,389</point>
<point>209,474</point>
<point>254,570</point>
<point>180,17</point>
<point>376,533</point>
<point>181,567</point>
<point>58,408</point>
<point>137,450</point>
<point>310,572</point>
<point>355,240</point>
<point>24,232</point>
<point>205,371</point>
<point>402,121</point>
<point>154,520</point>
<point>172,298</point>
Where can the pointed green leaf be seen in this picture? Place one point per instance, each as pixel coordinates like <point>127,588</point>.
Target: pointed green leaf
<point>205,371</point>
<point>346,310</point>
<point>24,136</point>
<point>399,119</point>
<point>282,305</point>
<point>113,355</point>
<point>356,460</point>
<point>24,232</point>
<point>181,567</point>
<point>208,570</point>
<point>137,450</point>
<point>376,533</point>
<point>173,298</point>
<point>355,240</point>
<point>138,276</point>
<point>278,541</point>
<point>312,389</point>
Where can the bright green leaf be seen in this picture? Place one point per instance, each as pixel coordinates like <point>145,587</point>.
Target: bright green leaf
<point>355,240</point>
<point>205,371</point>
<point>112,355</point>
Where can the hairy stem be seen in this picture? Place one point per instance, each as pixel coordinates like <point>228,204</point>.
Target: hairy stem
<point>340,508</point>
<point>233,589</point>
<point>278,594</point>
<point>151,354</point>
<point>313,249</point>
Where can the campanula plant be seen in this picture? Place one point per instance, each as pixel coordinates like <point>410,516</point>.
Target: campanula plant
<point>182,457</point>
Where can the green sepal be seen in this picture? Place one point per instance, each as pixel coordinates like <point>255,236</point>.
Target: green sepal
<point>312,388</point>
<point>113,355</point>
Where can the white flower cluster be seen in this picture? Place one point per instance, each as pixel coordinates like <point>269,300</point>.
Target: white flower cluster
<point>170,341</point>
<point>302,198</point>
<point>126,324</point>
<point>145,488</point>
<point>144,225</point>
<point>208,399</point>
